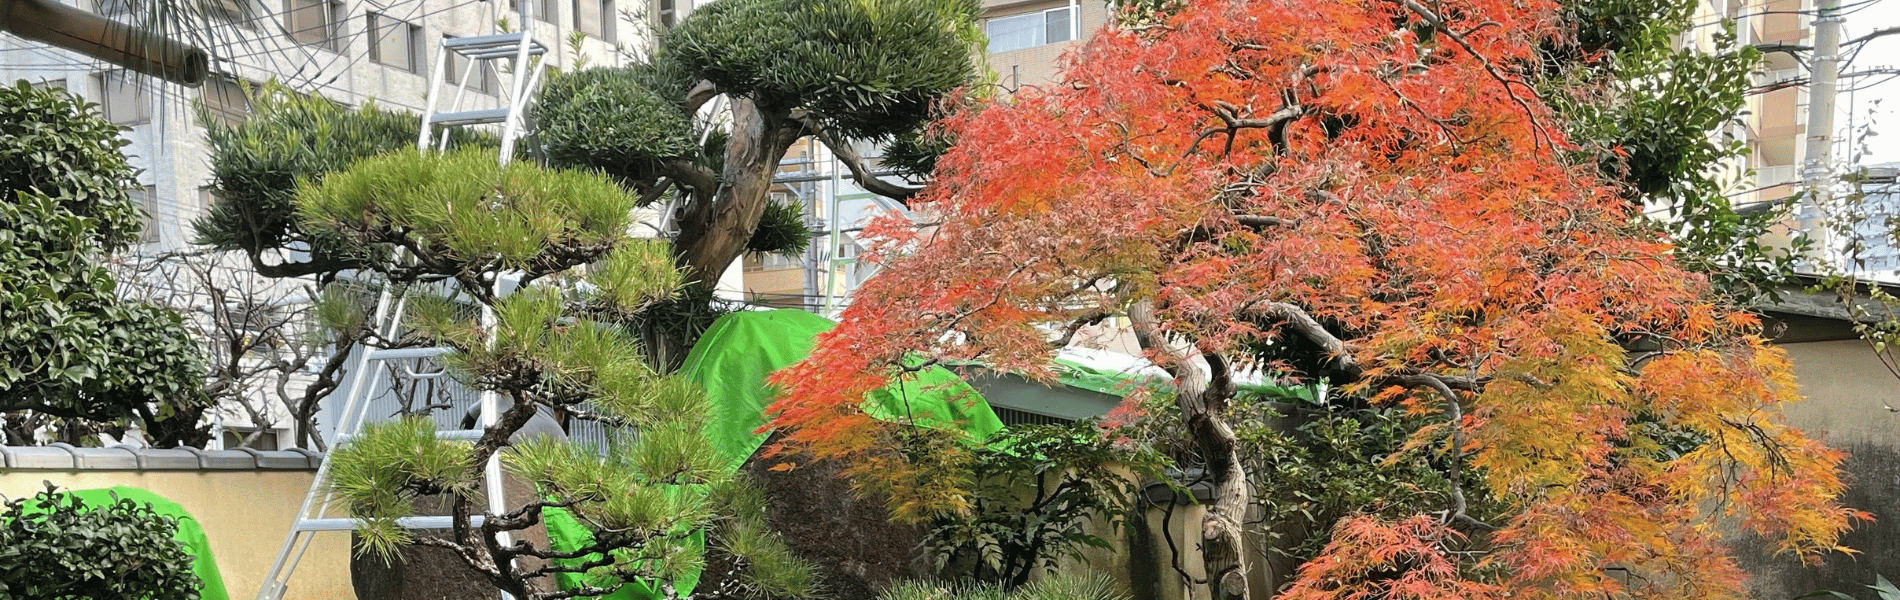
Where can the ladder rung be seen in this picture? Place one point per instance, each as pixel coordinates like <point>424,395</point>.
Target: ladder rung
<point>482,41</point>
<point>491,46</point>
<point>503,52</point>
<point>460,434</point>
<point>402,353</point>
<point>469,117</point>
<point>346,524</point>
<point>440,434</point>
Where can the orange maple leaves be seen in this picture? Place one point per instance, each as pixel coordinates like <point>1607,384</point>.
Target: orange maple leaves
<point>1381,166</point>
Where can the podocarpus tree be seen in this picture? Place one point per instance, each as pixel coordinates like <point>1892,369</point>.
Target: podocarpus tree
<point>840,71</point>
<point>1373,195</point>
<point>458,230</point>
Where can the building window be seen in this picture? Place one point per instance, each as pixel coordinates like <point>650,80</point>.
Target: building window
<point>774,261</point>
<point>667,12</point>
<point>117,8</point>
<point>484,79</point>
<point>548,11</point>
<point>595,18</point>
<point>230,11</point>
<point>147,197</point>
<point>123,99</point>
<point>1016,32</point>
<point>397,43</point>
<point>314,22</point>
<point>224,101</point>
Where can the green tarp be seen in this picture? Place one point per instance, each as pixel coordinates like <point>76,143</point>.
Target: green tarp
<point>736,354</point>
<point>190,535</point>
<point>732,360</point>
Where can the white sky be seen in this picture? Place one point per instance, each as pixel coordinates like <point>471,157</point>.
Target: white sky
<point>1864,111</point>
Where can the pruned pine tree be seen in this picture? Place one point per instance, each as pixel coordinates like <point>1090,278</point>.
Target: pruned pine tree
<point>424,221</point>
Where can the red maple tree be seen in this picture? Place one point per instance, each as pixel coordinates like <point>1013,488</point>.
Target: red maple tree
<point>1374,186</point>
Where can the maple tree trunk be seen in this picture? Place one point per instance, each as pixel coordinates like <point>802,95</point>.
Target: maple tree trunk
<point>1203,409</point>
<point>716,224</point>
<point>1221,551</point>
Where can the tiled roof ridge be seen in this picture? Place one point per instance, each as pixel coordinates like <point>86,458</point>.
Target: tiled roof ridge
<point>123,457</point>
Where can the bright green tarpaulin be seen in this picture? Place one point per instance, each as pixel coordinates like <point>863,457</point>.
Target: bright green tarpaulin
<point>736,354</point>
<point>190,535</point>
<point>732,360</point>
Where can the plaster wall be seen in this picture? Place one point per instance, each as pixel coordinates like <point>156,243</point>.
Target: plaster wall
<point>1850,406</point>
<point>245,515</point>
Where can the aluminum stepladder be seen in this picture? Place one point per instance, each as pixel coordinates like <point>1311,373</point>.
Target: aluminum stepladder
<point>365,378</point>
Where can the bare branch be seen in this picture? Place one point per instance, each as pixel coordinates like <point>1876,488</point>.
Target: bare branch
<point>699,95</point>
<point>860,172</point>
<point>1262,221</point>
<point>1089,317</point>
<point>1303,324</point>
<point>690,175</point>
<point>1510,85</point>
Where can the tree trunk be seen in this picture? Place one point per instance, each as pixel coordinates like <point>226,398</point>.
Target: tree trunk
<point>1221,550</point>
<point>715,227</point>
<point>1203,410</point>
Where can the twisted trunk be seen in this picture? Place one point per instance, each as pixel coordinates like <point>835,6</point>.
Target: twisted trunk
<point>716,223</point>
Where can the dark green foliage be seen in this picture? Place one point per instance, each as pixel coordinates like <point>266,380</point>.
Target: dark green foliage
<point>73,349</point>
<point>54,547</point>
<point>914,153</point>
<point>256,165</point>
<point>52,142</point>
<point>1326,461</point>
<point>781,230</point>
<point>1042,493</point>
<point>1057,586</point>
<point>867,69</point>
<point>619,120</point>
<point>1317,460</point>
<point>1648,113</point>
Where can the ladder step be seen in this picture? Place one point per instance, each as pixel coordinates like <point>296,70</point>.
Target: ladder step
<point>346,524</point>
<point>503,52</point>
<point>440,434</point>
<point>468,117</point>
<point>402,353</point>
<point>491,46</point>
<point>460,434</point>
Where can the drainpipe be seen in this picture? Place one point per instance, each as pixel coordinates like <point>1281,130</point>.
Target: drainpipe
<point>124,45</point>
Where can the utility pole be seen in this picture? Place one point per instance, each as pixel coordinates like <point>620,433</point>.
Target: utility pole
<point>1817,164</point>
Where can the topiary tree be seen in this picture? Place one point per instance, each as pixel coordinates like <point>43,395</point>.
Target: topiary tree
<point>462,223</point>
<point>840,71</point>
<point>55,547</point>
<point>74,349</point>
